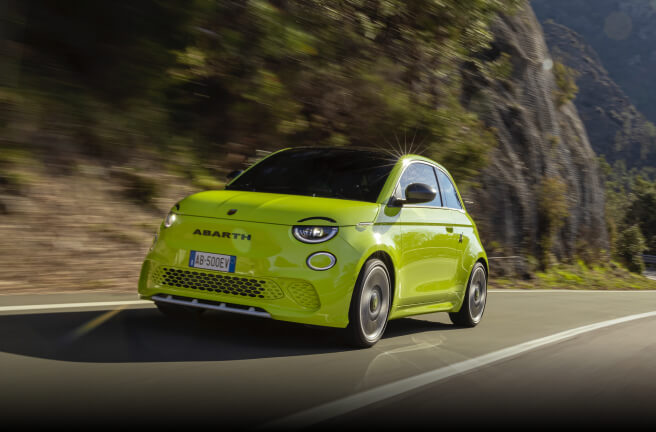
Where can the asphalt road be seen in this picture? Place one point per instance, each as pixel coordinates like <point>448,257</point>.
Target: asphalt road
<point>121,364</point>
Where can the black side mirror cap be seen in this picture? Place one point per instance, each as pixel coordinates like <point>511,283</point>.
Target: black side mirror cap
<point>417,193</point>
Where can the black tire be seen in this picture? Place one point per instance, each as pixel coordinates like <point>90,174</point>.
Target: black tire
<point>179,311</point>
<point>374,283</point>
<point>473,305</point>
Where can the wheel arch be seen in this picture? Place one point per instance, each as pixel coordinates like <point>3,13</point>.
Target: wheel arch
<point>486,266</point>
<point>389,263</point>
<point>480,259</point>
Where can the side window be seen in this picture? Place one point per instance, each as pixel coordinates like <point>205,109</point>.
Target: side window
<point>419,173</point>
<point>448,191</point>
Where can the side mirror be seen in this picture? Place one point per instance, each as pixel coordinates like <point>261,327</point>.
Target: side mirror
<point>417,193</point>
<point>233,174</point>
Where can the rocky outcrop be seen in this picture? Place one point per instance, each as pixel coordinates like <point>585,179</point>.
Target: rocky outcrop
<point>617,130</point>
<point>540,144</point>
<point>623,32</point>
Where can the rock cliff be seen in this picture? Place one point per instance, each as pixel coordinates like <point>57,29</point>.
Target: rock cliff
<point>623,32</point>
<point>617,130</point>
<point>542,188</point>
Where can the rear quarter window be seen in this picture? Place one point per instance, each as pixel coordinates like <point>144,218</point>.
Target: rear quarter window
<point>448,191</point>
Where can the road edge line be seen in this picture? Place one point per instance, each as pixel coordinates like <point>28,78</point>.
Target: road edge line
<point>73,305</point>
<point>512,290</point>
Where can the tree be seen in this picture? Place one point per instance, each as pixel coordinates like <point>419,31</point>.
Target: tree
<point>630,246</point>
<point>642,211</point>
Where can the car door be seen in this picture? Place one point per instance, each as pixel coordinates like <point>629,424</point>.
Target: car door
<point>428,242</point>
<point>460,225</point>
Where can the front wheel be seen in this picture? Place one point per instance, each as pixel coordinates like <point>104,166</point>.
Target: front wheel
<point>473,305</point>
<point>370,305</point>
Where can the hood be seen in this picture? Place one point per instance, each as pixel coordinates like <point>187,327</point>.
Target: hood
<point>277,208</point>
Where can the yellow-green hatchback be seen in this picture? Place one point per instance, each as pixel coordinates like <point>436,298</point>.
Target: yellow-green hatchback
<point>334,237</point>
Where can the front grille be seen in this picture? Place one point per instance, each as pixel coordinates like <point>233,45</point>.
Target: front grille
<point>217,283</point>
<point>304,294</point>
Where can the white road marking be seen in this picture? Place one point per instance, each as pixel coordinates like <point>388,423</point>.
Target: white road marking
<point>73,305</point>
<point>566,291</point>
<point>356,401</point>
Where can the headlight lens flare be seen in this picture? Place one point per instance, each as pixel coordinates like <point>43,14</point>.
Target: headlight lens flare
<point>170,220</point>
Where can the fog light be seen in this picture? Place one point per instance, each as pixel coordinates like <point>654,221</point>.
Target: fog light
<point>321,261</point>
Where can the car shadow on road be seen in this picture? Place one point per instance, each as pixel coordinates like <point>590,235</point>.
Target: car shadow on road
<point>144,335</point>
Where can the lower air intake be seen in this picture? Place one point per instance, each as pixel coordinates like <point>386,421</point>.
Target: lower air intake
<point>217,283</point>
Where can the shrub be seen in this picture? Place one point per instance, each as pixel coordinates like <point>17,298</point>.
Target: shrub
<point>136,186</point>
<point>565,82</point>
<point>629,247</point>
<point>552,212</point>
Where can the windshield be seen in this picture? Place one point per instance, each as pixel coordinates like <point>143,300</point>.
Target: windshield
<point>357,175</point>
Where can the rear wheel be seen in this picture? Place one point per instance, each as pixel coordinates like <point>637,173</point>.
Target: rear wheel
<point>473,305</point>
<point>179,311</point>
<point>370,305</point>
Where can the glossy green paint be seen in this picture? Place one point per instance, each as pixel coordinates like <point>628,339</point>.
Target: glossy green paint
<point>429,264</point>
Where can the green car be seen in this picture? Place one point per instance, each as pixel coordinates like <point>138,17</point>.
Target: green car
<point>336,237</point>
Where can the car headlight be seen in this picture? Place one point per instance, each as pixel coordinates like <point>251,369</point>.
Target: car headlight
<point>314,234</point>
<point>170,220</point>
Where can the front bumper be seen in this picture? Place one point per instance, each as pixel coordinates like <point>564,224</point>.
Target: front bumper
<point>271,271</point>
<point>317,301</point>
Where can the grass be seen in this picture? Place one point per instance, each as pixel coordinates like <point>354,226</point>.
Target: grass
<point>579,276</point>
<point>15,171</point>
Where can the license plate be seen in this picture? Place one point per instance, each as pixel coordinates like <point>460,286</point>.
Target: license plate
<point>211,261</point>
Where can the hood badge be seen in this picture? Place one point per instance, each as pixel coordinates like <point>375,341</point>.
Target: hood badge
<point>231,212</point>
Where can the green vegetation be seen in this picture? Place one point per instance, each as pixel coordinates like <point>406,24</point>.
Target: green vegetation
<point>630,213</point>
<point>552,211</point>
<point>642,211</point>
<point>565,82</point>
<point>610,276</point>
<point>136,186</point>
<point>629,247</point>
<point>500,69</point>
<point>221,79</point>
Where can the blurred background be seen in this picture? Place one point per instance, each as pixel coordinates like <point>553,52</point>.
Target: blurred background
<point>110,112</point>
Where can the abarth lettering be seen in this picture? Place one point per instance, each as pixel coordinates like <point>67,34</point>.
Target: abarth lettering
<point>224,234</point>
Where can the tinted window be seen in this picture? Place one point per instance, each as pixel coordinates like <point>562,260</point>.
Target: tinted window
<point>448,191</point>
<point>419,173</point>
<point>331,173</point>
